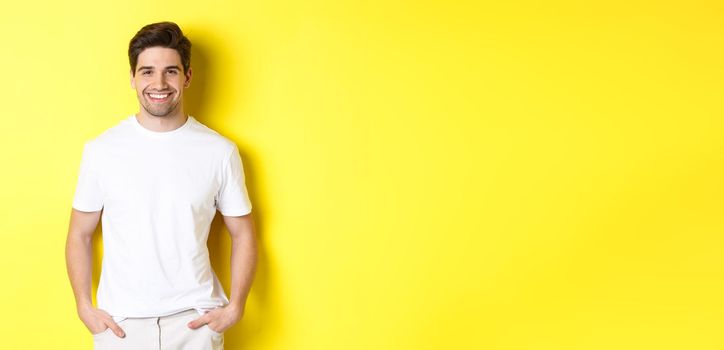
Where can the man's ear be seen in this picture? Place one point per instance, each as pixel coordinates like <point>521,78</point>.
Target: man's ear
<point>188,78</point>
<point>133,82</point>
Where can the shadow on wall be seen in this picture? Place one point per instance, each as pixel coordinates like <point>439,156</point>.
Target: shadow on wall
<point>195,97</point>
<point>196,102</point>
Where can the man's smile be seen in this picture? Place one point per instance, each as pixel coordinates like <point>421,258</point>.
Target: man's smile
<point>159,97</point>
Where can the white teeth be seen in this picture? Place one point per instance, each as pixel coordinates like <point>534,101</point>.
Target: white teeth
<point>158,96</point>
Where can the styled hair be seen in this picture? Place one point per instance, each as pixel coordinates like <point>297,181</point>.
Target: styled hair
<point>161,34</point>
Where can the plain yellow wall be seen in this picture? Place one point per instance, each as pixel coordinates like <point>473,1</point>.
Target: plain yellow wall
<point>425,174</point>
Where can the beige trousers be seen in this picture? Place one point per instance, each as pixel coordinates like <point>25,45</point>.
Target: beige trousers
<point>160,333</point>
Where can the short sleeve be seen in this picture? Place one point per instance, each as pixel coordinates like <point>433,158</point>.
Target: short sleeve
<point>232,198</point>
<point>88,195</point>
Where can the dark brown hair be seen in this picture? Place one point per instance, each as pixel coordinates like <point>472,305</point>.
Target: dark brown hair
<point>161,34</point>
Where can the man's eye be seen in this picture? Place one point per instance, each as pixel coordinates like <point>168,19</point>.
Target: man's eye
<point>173,72</point>
<point>147,72</point>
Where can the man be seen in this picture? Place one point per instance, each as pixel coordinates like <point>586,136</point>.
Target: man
<point>158,178</point>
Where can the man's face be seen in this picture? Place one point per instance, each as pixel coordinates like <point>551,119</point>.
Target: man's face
<point>159,81</point>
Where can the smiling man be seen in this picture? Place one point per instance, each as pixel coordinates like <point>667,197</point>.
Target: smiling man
<point>156,180</point>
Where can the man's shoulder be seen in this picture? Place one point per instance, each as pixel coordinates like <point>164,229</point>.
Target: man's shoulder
<point>110,136</point>
<point>212,138</point>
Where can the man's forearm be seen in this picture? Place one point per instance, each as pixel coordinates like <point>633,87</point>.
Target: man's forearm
<point>78,259</point>
<point>243,262</point>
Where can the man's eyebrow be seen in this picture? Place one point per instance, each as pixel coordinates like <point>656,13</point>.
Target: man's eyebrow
<point>151,67</point>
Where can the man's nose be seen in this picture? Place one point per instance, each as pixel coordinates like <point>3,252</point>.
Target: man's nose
<point>159,82</point>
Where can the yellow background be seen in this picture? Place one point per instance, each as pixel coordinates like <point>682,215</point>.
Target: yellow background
<point>425,174</point>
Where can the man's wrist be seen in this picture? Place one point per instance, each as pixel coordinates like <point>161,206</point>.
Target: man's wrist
<point>236,306</point>
<point>84,306</point>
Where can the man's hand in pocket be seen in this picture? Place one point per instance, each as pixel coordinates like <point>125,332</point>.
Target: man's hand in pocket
<point>97,320</point>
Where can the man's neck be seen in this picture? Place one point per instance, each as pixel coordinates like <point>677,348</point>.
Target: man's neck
<point>161,124</point>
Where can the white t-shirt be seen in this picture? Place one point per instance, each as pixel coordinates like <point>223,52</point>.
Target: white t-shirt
<point>159,192</point>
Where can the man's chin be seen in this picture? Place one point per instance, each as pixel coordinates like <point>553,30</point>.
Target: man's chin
<point>158,113</point>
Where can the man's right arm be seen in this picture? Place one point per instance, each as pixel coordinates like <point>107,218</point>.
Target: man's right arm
<point>79,261</point>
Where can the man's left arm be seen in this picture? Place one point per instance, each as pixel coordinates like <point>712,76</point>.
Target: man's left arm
<point>243,266</point>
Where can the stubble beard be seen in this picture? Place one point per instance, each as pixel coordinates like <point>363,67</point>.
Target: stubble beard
<point>158,111</point>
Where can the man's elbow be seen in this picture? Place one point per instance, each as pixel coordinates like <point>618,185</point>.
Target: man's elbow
<point>82,226</point>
